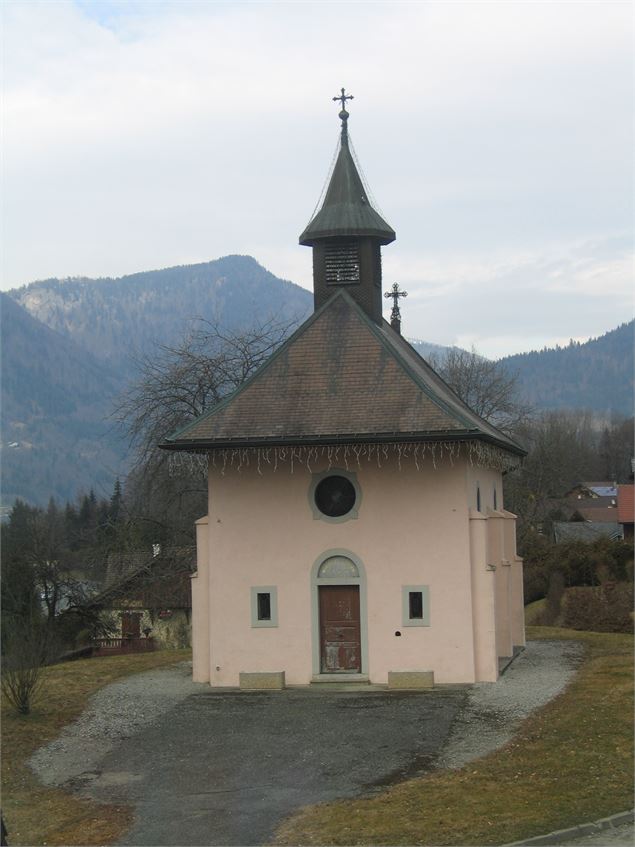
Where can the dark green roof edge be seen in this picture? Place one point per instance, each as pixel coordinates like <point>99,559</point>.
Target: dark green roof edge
<point>307,239</point>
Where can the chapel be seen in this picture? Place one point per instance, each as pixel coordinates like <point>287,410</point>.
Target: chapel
<point>356,531</point>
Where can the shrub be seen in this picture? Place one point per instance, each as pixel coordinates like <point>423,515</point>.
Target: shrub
<point>25,653</point>
<point>605,608</point>
<point>551,613</point>
<point>580,562</point>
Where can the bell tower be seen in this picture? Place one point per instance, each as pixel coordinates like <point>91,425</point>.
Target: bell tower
<point>347,234</point>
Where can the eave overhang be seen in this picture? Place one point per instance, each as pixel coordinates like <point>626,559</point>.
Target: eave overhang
<point>206,446</point>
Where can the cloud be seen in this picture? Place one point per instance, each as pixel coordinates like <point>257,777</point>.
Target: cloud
<point>518,303</point>
<point>146,134</point>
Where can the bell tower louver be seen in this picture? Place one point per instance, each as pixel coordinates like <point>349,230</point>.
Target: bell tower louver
<point>347,234</point>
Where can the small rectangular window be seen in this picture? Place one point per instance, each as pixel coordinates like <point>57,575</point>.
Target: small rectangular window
<point>415,605</point>
<point>264,606</point>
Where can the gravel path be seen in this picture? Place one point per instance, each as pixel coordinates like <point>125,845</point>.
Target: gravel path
<point>125,708</point>
<point>493,712</point>
<point>116,712</point>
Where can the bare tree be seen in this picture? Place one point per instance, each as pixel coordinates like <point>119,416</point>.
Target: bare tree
<point>177,384</point>
<point>484,385</point>
<point>562,450</point>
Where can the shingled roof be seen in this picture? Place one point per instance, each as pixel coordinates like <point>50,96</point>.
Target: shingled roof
<point>340,378</point>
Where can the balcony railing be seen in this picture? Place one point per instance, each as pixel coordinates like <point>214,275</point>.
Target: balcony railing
<point>117,646</point>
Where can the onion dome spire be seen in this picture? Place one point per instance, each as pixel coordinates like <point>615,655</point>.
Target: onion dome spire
<point>347,234</point>
<point>346,210</point>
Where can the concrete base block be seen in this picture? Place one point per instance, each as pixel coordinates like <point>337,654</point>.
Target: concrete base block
<point>270,681</point>
<point>410,679</point>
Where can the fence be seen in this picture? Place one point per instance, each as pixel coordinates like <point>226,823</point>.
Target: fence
<point>117,646</point>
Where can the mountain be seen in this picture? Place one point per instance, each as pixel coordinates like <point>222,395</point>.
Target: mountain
<point>428,348</point>
<point>596,374</point>
<point>67,348</point>
<point>114,318</point>
<point>56,398</point>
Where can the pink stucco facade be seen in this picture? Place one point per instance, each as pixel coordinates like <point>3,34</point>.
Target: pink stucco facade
<point>414,527</point>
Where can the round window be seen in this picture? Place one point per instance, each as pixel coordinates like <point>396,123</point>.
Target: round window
<point>335,496</point>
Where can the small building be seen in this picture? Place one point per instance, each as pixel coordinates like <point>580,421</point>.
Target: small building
<point>356,529</point>
<point>626,509</point>
<point>146,602</point>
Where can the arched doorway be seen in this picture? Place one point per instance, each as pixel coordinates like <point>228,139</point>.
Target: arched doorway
<point>339,614</point>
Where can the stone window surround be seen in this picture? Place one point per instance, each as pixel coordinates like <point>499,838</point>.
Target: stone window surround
<point>406,590</point>
<point>317,478</point>
<point>272,591</point>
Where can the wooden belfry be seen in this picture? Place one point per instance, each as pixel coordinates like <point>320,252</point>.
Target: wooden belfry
<point>347,234</point>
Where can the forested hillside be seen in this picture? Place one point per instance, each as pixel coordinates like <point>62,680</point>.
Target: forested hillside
<point>68,352</point>
<point>597,374</point>
<point>56,401</point>
<point>114,318</point>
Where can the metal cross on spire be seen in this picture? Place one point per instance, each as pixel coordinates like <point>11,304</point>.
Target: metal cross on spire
<point>395,315</point>
<point>343,98</point>
<point>343,115</point>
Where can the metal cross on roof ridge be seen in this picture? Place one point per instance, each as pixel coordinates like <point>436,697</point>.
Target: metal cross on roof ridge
<point>395,315</point>
<point>395,294</point>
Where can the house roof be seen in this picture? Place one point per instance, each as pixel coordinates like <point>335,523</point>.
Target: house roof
<point>346,210</point>
<point>593,489</point>
<point>604,513</point>
<point>585,530</point>
<point>604,490</point>
<point>626,503</point>
<point>158,580</point>
<point>340,378</point>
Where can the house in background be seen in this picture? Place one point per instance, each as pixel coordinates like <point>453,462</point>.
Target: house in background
<point>626,510</point>
<point>146,602</point>
<point>594,502</point>
<point>356,530</point>
<point>598,492</point>
<point>586,531</point>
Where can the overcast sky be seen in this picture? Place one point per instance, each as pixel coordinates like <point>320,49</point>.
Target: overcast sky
<point>496,138</point>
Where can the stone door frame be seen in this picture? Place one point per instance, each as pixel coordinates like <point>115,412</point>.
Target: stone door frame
<point>317,581</point>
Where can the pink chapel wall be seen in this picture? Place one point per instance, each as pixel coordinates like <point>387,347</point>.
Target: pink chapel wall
<point>413,528</point>
<point>502,560</point>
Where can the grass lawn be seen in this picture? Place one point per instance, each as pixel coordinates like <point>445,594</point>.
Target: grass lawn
<point>572,761</point>
<point>37,815</point>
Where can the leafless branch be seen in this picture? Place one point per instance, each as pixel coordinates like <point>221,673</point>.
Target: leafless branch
<point>485,386</point>
<point>177,384</point>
